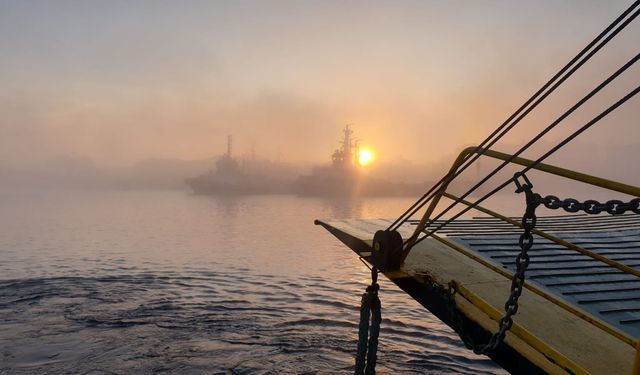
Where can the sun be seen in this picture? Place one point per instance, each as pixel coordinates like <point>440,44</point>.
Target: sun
<point>365,157</point>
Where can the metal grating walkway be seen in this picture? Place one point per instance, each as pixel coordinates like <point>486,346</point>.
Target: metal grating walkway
<point>589,284</point>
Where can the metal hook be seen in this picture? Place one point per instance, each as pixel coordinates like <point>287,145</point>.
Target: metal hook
<point>520,187</point>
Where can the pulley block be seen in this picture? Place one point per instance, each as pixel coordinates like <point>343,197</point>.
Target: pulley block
<point>387,250</point>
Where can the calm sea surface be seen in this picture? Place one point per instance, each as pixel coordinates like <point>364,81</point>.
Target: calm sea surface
<point>155,282</point>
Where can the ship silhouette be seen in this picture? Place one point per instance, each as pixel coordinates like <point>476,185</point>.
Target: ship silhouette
<point>230,177</point>
<point>345,177</point>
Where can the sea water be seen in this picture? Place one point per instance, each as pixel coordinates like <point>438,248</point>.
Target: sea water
<point>102,282</point>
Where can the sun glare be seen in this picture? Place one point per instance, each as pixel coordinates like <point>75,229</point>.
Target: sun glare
<point>365,157</point>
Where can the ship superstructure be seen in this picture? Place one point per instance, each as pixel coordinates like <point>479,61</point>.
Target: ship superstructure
<point>232,178</point>
<point>345,176</point>
<point>346,156</point>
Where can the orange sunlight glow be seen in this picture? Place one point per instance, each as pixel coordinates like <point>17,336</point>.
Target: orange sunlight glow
<point>365,157</point>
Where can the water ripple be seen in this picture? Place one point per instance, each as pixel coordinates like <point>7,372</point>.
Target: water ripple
<point>184,322</point>
<point>106,282</point>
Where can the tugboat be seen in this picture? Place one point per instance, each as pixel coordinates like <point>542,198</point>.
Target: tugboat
<point>341,178</point>
<point>345,177</point>
<point>230,178</point>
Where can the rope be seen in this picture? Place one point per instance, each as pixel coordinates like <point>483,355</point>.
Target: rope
<point>485,144</point>
<point>376,319</point>
<point>369,328</point>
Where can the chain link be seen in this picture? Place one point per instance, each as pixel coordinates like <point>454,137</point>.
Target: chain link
<point>592,207</point>
<point>525,241</point>
<point>529,220</point>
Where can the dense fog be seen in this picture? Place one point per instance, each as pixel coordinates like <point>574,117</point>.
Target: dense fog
<point>138,95</point>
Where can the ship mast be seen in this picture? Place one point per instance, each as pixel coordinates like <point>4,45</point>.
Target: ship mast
<point>344,156</point>
<point>229,146</point>
<point>347,143</point>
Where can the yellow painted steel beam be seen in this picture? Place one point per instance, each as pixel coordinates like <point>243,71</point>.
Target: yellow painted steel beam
<point>432,206</point>
<point>526,336</point>
<point>558,171</point>
<point>587,318</point>
<point>551,169</point>
<point>636,361</point>
<point>569,245</point>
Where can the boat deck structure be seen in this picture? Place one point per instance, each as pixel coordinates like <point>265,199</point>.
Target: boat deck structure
<point>543,293</point>
<point>579,310</point>
<point>577,314</point>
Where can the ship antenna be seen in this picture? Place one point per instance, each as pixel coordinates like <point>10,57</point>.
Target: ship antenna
<point>228,146</point>
<point>347,142</point>
<point>356,146</point>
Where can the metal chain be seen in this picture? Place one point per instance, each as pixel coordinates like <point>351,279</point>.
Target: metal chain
<point>522,262</point>
<point>525,241</point>
<point>592,207</point>
<point>457,322</point>
<point>529,219</point>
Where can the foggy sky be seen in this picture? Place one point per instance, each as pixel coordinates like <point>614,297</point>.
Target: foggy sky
<point>123,81</point>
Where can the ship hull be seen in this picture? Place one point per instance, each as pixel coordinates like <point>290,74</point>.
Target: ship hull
<point>213,185</point>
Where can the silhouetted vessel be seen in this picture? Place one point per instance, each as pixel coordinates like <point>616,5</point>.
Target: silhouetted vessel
<point>230,177</point>
<point>345,178</point>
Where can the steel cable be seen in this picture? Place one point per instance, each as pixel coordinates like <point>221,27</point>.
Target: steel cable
<point>501,129</point>
<point>534,164</point>
<point>543,133</point>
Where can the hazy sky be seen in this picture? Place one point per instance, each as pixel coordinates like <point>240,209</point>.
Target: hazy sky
<point>121,81</point>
